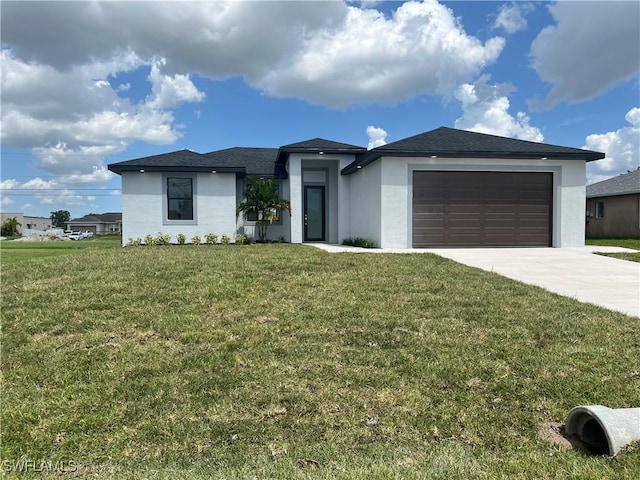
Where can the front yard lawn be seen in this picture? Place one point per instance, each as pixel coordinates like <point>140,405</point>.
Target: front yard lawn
<point>283,361</point>
<point>633,243</point>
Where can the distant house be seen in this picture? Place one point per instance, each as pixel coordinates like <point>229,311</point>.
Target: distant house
<point>613,207</point>
<point>102,224</point>
<point>27,222</point>
<point>445,187</point>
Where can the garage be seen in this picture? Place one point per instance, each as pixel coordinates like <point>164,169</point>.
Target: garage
<point>482,209</point>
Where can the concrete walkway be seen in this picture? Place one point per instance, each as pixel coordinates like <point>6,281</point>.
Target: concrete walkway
<point>572,272</point>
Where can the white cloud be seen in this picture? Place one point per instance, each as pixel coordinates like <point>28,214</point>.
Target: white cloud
<point>169,92</point>
<point>99,175</point>
<point>39,184</point>
<point>511,17</point>
<point>73,121</point>
<point>6,201</point>
<point>64,98</point>
<point>622,148</point>
<point>593,46</point>
<point>377,137</point>
<point>9,184</point>
<point>63,198</point>
<point>324,52</point>
<point>369,58</point>
<point>486,110</point>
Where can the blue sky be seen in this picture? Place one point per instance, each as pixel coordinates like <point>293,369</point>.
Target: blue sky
<point>85,84</point>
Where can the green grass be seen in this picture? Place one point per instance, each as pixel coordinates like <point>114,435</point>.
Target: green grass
<point>17,252</point>
<point>633,243</point>
<point>631,257</point>
<point>241,361</point>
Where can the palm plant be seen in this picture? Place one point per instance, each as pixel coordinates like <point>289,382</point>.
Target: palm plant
<point>264,202</point>
<point>10,226</point>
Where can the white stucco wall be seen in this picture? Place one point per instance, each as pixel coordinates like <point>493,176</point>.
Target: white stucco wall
<point>366,203</point>
<point>142,206</point>
<point>337,189</point>
<point>396,178</point>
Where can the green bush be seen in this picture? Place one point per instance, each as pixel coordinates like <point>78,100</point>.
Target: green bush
<point>211,238</point>
<point>195,240</point>
<point>225,239</point>
<point>241,239</point>
<point>162,239</point>
<point>148,240</point>
<point>359,242</point>
<point>134,242</point>
<point>181,239</point>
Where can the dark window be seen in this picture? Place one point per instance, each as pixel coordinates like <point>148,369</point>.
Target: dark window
<point>180,198</point>
<point>599,209</point>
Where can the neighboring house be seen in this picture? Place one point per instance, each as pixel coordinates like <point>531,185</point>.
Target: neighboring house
<point>102,224</point>
<point>445,187</point>
<point>27,222</point>
<point>613,207</point>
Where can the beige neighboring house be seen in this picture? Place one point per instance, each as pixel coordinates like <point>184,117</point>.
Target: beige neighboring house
<point>32,223</point>
<point>613,207</point>
<point>102,224</point>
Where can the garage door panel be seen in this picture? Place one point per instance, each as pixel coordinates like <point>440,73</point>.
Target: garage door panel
<point>482,209</point>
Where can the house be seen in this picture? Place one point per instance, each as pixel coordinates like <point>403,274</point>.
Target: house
<point>27,222</point>
<point>99,224</point>
<point>613,207</point>
<point>445,187</point>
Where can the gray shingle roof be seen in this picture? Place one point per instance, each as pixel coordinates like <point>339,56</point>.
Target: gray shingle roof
<point>240,160</point>
<point>321,144</point>
<point>626,184</point>
<point>110,217</point>
<point>450,143</point>
<point>256,161</point>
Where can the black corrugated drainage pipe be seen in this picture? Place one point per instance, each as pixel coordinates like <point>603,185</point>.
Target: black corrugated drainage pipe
<point>603,430</point>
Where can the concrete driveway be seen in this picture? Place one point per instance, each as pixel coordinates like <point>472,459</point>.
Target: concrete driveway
<point>573,272</point>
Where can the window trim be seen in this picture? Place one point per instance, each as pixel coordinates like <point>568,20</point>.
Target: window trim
<point>599,213</point>
<point>165,200</point>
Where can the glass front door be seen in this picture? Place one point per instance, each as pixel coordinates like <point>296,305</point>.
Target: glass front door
<point>314,213</point>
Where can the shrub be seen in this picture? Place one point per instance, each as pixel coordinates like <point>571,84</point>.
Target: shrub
<point>225,239</point>
<point>359,242</point>
<point>148,240</point>
<point>181,239</point>
<point>195,240</point>
<point>134,242</point>
<point>162,239</point>
<point>241,239</point>
<point>211,238</point>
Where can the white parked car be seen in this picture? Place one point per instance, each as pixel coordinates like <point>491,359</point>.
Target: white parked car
<point>87,234</point>
<point>75,236</point>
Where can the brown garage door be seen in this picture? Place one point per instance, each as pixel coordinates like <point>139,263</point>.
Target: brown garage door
<point>473,209</point>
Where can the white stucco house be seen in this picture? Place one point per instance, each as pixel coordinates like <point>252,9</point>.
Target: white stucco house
<point>445,187</point>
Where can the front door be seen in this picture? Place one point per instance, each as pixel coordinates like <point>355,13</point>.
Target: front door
<point>313,213</point>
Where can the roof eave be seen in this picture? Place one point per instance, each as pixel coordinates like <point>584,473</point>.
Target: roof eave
<point>616,194</point>
<point>283,154</point>
<point>175,168</point>
<point>587,156</point>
